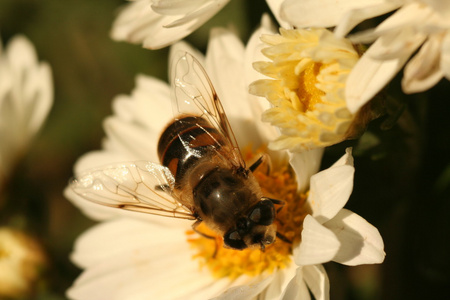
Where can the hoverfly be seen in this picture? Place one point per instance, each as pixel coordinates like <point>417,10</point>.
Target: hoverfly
<point>201,176</point>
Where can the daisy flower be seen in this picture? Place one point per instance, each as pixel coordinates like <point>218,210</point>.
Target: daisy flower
<point>26,96</point>
<point>158,23</point>
<point>21,262</point>
<point>140,256</point>
<point>305,80</point>
<point>417,35</point>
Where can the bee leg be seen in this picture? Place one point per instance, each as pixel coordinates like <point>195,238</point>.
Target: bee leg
<point>283,238</point>
<point>263,158</point>
<point>194,227</point>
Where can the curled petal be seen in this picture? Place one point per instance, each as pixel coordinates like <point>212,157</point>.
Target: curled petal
<point>325,13</point>
<point>318,244</point>
<point>305,164</point>
<point>317,280</point>
<point>330,189</point>
<point>297,288</point>
<point>346,159</point>
<point>279,282</point>
<point>355,16</point>
<point>361,243</point>
<point>371,74</point>
<point>138,22</point>
<point>423,70</point>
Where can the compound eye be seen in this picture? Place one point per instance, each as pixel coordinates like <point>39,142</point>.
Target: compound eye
<point>234,240</point>
<point>263,213</point>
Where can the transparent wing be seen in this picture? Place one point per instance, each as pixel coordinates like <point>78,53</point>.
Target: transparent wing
<point>194,95</point>
<point>139,186</point>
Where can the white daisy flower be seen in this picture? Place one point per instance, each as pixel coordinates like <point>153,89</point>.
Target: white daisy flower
<point>416,34</point>
<point>139,256</point>
<point>26,96</point>
<point>158,23</point>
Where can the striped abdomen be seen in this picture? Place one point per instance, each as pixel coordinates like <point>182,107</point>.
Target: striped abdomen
<point>185,142</point>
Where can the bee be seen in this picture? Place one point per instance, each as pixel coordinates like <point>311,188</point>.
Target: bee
<point>201,176</point>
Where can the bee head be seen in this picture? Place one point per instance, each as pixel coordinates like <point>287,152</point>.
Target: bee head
<point>254,230</point>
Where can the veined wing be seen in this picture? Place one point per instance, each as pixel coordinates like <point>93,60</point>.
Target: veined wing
<point>194,95</point>
<point>139,186</point>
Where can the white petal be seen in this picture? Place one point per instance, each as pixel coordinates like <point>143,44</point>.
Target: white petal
<point>445,56</point>
<point>139,107</point>
<point>355,16</point>
<point>32,85</point>
<point>40,91</point>
<point>275,7</point>
<point>246,291</point>
<point>305,164</point>
<point>171,29</point>
<point>138,23</point>
<point>370,74</point>
<point>140,278</point>
<point>423,70</point>
<point>21,55</point>
<point>325,13</point>
<point>225,64</point>
<point>316,278</point>
<point>279,283</point>
<point>95,159</point>
<point>108,241</point>
<point>200,15</point>
<point>296,289</point>
<point>346,159</point>
<point>439,6</point>
<point>361,243</point>
<point>253,54</point>
<point>135,21</point>
<point>176,7</point>
<point>127,259</point>
<point>318,244</point>
<point>330,189</point>
<point>135,142</point>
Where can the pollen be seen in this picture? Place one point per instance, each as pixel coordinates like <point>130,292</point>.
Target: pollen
<point>231,263</point>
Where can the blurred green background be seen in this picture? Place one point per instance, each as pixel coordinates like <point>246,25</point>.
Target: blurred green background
<point>402,168</point>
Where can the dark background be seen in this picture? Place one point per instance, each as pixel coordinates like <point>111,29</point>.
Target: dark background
<point>402,164</point>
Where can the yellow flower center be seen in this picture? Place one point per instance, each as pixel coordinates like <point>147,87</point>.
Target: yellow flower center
<point>308,94</point>
<point>224,262</point>
<point>4,253</point>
